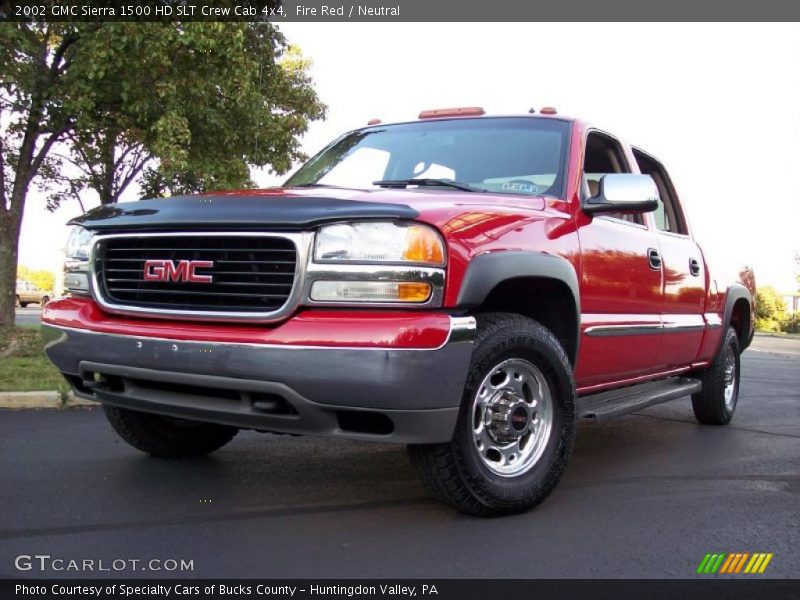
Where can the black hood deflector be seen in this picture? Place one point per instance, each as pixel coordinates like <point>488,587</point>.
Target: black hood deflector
<point>206,212</point>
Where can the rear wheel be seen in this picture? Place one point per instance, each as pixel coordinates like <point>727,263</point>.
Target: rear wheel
<point>516,426</point>
<point>168,437</point>
<point>716,402</point>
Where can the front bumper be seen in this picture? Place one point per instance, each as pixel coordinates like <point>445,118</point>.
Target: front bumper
<point>397,394</point>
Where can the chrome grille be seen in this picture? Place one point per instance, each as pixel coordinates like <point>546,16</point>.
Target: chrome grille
<point>250,273</point>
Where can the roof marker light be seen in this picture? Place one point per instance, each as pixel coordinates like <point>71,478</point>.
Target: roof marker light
<point>548,110</point>
<point>374,122</point>
<point>467,111</point>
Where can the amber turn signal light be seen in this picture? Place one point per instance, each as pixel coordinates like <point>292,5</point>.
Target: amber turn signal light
<point>413,292</point>
<point>423,245</point>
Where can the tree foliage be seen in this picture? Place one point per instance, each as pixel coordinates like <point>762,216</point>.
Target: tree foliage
<point>44,280</point>
<point>178,107</point>
<point>205,99</point>
<point>797,269</point>
<point>771,310</point>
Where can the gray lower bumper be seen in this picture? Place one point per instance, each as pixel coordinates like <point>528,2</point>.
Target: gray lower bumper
<point>398,395</point>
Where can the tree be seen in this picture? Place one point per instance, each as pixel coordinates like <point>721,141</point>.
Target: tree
<point>797,275</point>
<point>44,280</point>
<point>176,106</point>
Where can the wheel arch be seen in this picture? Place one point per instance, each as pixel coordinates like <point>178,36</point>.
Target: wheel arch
<point>537,285</point>
<point>738,313</point>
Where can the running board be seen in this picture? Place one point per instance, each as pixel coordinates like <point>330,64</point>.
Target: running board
<point>615,403</point>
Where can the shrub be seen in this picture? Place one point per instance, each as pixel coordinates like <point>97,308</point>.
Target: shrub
<point>771,310</point>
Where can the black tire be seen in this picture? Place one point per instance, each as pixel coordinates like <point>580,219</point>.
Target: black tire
<point>710,405</point>
<point>23,304</point>
<point>166,437</point>
<point>455,472</point>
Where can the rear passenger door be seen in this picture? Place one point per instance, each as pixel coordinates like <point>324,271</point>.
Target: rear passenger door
<point>684,271</point>
<point>620,289</point>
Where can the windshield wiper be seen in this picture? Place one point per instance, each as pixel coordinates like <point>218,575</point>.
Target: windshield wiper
<point>464,187</point>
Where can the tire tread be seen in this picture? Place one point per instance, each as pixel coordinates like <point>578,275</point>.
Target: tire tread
<point>708,404</point>
<point>157,437</point>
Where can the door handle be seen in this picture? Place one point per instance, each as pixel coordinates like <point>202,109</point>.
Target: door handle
<point>694,267</point>
<point>654,258</point>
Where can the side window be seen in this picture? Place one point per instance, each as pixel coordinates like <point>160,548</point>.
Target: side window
<point>604,155</point>
<point>668,215</point>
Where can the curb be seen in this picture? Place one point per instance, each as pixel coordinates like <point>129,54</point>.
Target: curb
<point>73,401</point>
<point>41,399</point>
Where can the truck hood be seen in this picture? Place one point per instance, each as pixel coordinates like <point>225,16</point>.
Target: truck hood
<point>294,208</point>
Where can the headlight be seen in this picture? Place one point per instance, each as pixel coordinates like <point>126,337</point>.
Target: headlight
<point>76,266</point>
<point>378,263</point>
<point>369,242</point>
<point>78,243</point>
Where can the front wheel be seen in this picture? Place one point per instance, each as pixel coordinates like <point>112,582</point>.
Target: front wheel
<point>167,437</point>
<point>516,427</point>
<point>716,402</point>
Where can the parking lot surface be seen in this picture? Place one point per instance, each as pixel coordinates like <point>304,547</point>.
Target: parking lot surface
<point>646,496</point>
<point>28,316</point>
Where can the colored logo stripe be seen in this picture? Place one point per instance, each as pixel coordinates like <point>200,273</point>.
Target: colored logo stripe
<point>710,563</point>
<point>740,564</point>
<point>733,563</point>
<point>732,560</point>
<point>758,563</point>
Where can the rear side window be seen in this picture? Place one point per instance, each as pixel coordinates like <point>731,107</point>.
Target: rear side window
<point>668,215</point>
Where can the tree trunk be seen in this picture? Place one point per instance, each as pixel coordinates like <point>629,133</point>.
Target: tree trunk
<point>109,173</point>
<point>11,214</point>
<point>10,222</point>
<point>29,161</point>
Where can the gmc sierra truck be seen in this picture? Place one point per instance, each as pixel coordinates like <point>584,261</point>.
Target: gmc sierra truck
<point>465,284</point>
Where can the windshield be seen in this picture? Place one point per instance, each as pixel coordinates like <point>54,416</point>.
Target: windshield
<point>501,155</point>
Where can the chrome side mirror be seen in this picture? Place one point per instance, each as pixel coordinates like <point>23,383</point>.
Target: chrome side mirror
<point>623,193</point>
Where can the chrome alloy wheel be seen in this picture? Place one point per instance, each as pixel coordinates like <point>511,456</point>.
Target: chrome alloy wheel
<point>512,415</point>
<point>729,370</point>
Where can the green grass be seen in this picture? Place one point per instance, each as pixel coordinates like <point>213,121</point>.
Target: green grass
<point>23,365</point>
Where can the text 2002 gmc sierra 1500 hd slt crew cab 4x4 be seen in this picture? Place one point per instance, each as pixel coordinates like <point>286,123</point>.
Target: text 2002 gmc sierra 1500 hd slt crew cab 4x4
<point>465,284</point>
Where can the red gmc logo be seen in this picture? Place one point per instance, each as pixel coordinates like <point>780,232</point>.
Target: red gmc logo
<point>184,271</point>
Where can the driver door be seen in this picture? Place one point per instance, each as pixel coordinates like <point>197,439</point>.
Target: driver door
<point>621,284</point>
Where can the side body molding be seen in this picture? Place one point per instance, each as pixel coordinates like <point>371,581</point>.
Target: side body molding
<point>486,271</point>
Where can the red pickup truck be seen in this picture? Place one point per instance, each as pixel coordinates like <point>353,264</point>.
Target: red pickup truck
<point>468,285</point>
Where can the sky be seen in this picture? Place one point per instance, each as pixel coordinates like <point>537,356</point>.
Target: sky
<point>718,104</point>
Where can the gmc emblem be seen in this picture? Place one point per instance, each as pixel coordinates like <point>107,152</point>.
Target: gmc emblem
<point>184,271</point>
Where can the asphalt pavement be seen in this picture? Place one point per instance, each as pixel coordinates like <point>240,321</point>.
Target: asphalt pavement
<point>646,496</point>
<point>28,316</point>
